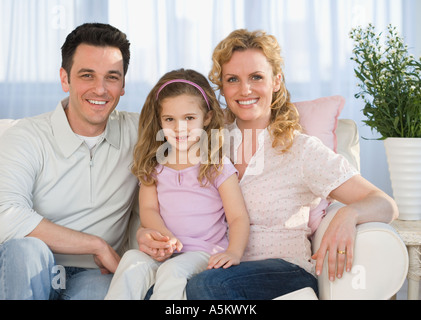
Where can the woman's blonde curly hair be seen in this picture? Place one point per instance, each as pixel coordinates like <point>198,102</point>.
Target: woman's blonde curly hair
<point>284,115</point>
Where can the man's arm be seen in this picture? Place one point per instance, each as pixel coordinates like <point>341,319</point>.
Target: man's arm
<point>20,167</point>
<point>63,240</point>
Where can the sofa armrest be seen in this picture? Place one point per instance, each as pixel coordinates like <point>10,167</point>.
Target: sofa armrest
<point>6,124</point>
<point>380,263</point>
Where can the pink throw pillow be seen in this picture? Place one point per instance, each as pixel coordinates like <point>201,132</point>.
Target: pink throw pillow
<point>319,118</point>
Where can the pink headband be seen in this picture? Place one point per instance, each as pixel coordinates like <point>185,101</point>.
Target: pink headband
<point>188,82</point>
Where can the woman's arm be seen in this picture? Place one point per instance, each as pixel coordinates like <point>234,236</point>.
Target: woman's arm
<point>238,223</point>
<point>364,203</point>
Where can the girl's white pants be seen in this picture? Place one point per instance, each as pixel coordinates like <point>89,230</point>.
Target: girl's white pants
<point>137,272</point>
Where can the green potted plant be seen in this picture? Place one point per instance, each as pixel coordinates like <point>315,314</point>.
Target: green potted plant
<point>390,86</point>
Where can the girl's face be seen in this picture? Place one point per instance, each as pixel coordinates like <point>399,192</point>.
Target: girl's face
<point>248,85</point>
<point>183,120</point>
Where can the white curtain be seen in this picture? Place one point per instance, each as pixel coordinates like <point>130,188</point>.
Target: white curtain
<point>170,34</point>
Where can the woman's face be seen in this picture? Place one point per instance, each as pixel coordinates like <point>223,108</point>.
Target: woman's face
<point>248,85</point>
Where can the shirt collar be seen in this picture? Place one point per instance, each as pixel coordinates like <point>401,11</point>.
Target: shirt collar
<point>235,132</point>
<point>234,126</point>
<point>68,141</point>
<point>112,130</point>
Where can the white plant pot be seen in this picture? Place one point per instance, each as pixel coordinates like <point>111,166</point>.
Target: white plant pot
<point>404,159</point>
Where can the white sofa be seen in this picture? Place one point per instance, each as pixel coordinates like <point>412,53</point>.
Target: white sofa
<point>381,258</point>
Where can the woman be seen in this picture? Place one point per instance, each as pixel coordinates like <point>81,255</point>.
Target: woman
<point>283,174</point>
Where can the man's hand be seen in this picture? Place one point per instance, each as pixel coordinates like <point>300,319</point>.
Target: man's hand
<point>106,258</point>
<point>154,244</point>
<point>63,240</point>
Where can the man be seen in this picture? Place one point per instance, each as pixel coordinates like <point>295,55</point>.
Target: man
<point>66,190</point>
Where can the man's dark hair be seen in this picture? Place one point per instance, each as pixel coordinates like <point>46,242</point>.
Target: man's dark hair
<point>95,34</point>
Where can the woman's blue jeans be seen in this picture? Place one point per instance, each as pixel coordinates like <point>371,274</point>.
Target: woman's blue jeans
<point>28,272</point>
<point>251,280</point>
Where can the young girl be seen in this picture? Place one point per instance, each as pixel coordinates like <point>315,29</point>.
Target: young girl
<point>188,190</point>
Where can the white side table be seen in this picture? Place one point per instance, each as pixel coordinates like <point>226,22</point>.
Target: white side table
<point>410,232</point>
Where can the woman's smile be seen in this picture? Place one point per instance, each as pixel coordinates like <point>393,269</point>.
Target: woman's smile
<point>248,102</point>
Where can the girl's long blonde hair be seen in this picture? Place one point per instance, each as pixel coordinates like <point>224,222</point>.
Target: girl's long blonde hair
<point>145,151</point>
<point>284,115</point>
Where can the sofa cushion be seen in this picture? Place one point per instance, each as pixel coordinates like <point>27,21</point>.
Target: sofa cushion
<point>349,141</point>
<point>319,118</point>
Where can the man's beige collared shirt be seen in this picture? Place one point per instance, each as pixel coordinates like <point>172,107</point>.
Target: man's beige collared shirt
<point>46,171</point>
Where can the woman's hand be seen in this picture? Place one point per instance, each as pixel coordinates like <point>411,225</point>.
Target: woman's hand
<point>338,243</point>
<point>364,203</point>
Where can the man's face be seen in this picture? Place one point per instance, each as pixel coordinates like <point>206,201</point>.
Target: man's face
<point>95,85</point>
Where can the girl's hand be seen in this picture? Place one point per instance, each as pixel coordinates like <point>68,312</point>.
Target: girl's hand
<point>224,259</point>
<point>154,244</point>
<point>175,245</point>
